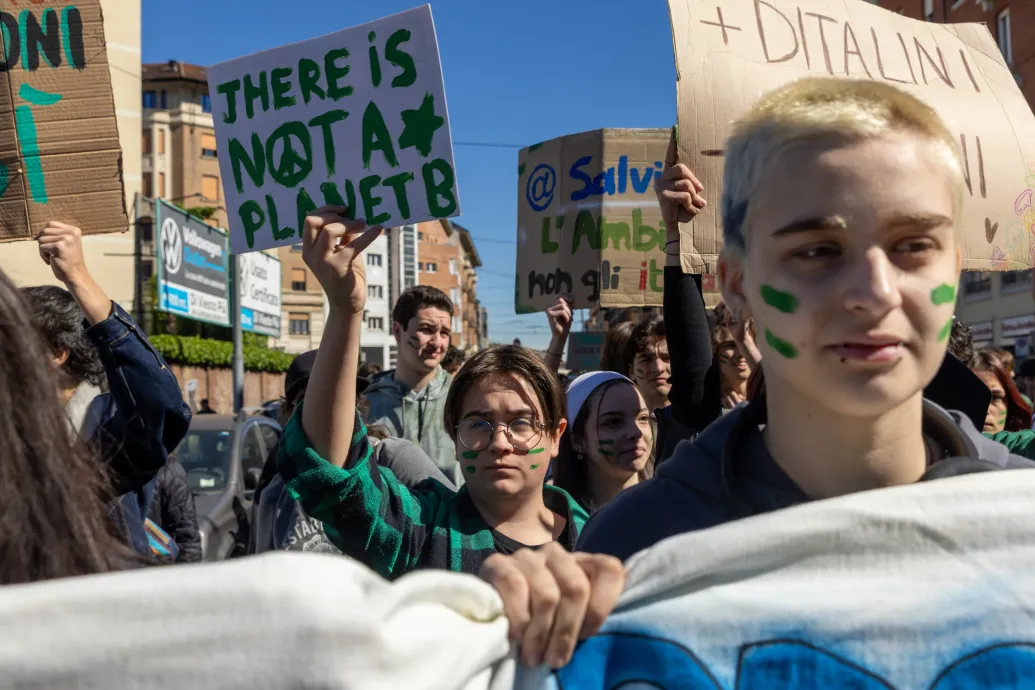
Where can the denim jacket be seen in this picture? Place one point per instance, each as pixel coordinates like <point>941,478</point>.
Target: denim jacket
<point>137,423</point>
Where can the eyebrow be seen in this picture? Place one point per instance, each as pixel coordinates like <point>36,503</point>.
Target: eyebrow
<point>921,221</point>
<point>525,412</point>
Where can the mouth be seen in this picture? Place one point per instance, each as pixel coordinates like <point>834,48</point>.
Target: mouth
<point>876,348</point>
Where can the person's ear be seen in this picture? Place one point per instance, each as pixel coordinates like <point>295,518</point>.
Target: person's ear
<point>556,436</point>
<point>58,360</point>
<point>731,282</point>
<point>397,332</point>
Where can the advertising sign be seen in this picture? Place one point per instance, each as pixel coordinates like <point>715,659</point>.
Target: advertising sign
<point>192,263</point>
<point>260,293</point>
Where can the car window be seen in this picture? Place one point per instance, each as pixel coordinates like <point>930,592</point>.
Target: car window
<point>271,435</point>
<point>252,454</point>
<point>205,455</point>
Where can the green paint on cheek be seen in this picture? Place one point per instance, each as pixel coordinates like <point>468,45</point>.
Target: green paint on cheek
<point>470,469</point>
<point>943,294</point>
<point>533,467</point>
<point>469,455</point>
<point>779,300</point>
<point>946,329</point>
<point>781,345</point>
<point>535,451</point>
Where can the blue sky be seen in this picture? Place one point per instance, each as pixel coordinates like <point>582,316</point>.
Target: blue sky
<point>516,73</point>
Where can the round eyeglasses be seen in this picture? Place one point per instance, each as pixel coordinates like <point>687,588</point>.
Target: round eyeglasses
<point>476,434</point>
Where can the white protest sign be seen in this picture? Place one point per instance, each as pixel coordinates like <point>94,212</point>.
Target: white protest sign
<point>355,118</point>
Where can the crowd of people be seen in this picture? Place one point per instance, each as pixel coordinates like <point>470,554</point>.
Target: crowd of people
<point>834,365</point>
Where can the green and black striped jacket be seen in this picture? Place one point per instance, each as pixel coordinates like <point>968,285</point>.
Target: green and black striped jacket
<point>372,517</point>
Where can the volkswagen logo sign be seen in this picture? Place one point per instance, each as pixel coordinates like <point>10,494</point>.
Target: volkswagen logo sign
<point>172,246</point>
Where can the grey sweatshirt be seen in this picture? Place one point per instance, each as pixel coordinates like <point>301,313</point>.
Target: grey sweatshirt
<point>416,416</point>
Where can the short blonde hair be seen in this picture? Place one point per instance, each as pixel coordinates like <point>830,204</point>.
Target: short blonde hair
<point>820,110</point>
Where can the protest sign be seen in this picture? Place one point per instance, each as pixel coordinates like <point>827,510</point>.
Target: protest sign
<point>355,118</point>
<point>192,267</point>
<point>584,350</point>
<point>260,293</point>
<point>60,157</point>
<point>589,225</point>
<point>730,52</point>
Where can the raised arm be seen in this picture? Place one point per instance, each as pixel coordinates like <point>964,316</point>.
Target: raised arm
<point>694,394</point>
<point>559,316</point>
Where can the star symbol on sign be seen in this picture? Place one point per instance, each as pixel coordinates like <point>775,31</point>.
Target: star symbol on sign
<point>421,125</point>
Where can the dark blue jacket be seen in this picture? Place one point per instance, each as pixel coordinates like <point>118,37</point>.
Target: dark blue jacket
<point>727,474</point>
<point>134,426</point>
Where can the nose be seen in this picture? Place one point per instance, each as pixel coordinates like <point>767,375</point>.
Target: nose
<point>872,284</point>
<point>499,443</point>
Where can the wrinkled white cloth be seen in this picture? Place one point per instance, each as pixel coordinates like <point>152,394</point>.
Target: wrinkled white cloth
<point>929,586</point>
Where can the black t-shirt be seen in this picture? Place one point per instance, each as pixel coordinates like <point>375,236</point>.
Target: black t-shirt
<point>506,546</point>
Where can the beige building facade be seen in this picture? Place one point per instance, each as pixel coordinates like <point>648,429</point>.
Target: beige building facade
<point>999,309</point>
<point>110,257</point>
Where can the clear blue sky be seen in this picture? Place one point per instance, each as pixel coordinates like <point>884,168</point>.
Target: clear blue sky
<point>516,72</point>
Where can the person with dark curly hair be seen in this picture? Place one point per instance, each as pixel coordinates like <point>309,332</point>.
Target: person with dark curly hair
<point>93,345</point>
<point>453,360</point>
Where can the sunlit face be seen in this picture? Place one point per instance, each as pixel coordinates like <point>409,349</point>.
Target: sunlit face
<point>651,371</point>
<point>618,437</point>
<point>512,461</point>
<point>850,271</point>
<point>424,342</point>
<point>733,366</point>
<point>995,418</point>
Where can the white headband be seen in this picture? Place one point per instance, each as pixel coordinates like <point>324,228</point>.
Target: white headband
<point>582,387</point>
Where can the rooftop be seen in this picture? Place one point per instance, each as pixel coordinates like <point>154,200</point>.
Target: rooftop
<point>468,244</point>
<point>174,70</point>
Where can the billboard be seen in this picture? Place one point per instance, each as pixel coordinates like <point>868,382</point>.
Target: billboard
<point>260,293</point>
<point>192,267</point>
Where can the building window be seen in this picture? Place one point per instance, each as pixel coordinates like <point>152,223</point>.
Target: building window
<point>145,143</point>
<point>454,294</point>
<point>148,186</point>
<point>164,97</point>
<point>375,292</point>
<point>161,184</point>
<point>929,10</point>
<point>456,324</point>
<point>298,279</point>
<point>376,323</point>
<point>298,324</point>
<point>431,267</point>
<point>206,103</point>
<point>208,145</point>
<point>373,259</point>
<point>1002,35</point>
<point>150,99</point>
<point>452,267</point>
<point>296,247</point>
<point>977,282</point>
<point>161,142</point>
<point>1016,280</point>
<point>210,187</point>
<point>420,236</point>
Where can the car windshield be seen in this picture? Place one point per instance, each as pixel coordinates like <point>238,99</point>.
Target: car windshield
<point>205,455</point>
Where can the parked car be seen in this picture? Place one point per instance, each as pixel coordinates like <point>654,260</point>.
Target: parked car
<point>223,457</point>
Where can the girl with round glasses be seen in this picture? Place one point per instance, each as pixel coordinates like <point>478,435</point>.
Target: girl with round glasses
<point>505,412</point>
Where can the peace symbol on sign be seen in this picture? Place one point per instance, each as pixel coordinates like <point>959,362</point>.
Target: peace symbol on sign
<point>293,167</point>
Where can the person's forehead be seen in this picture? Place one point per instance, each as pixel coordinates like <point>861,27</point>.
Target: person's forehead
<point>433,315</point>
<point>908,175</point>
<point>620,397</point>
<point>500,392</point>
<point>653,345</point>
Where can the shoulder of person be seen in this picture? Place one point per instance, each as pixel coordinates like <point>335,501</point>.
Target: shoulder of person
<point>408,462</point>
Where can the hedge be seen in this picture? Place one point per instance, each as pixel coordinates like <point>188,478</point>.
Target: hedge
<point>204,352</point>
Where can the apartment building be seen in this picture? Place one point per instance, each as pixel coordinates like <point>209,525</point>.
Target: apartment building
<point>110,257</point>
<point>303,313</point>
<point>376,344</point>
<point>470,309</point>
<point>447,260</point>
<point>997,306</point>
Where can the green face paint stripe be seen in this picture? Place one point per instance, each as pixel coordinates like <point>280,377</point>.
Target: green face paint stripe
<point>533,467</point>
<point>470,469</point>
<point>944,294</point>
<point>535,451</point>
<point>779,300</point>
<point>780,345</point>
<point>946,329</point>
<point>469,455</point>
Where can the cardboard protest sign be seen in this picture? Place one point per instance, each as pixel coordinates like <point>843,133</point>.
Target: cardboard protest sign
<point>59,143</point>
<point>355,118</point>
<point>584,350</point>
<point>730,52</point>
<point>589,224</point>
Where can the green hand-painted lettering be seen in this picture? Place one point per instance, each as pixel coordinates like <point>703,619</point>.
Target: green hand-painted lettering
<point>400,58</point>
<point>780,345</point>
<point>25,126</point>
<point>420,126</point>
<point>398,184</point>
<point>371,202</point>
<point>944,294</point>
<point>281,88</point>
<point>437,192</point>
<point>376,137</point>
<point>779,300</point>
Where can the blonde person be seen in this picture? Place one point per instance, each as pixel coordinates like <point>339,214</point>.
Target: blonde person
<point>848,268</point>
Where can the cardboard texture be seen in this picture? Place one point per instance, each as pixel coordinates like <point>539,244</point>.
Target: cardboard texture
<point>730,52</point>
<point>589,225</point>
<point>355,118</point>
<point>59,143</point>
